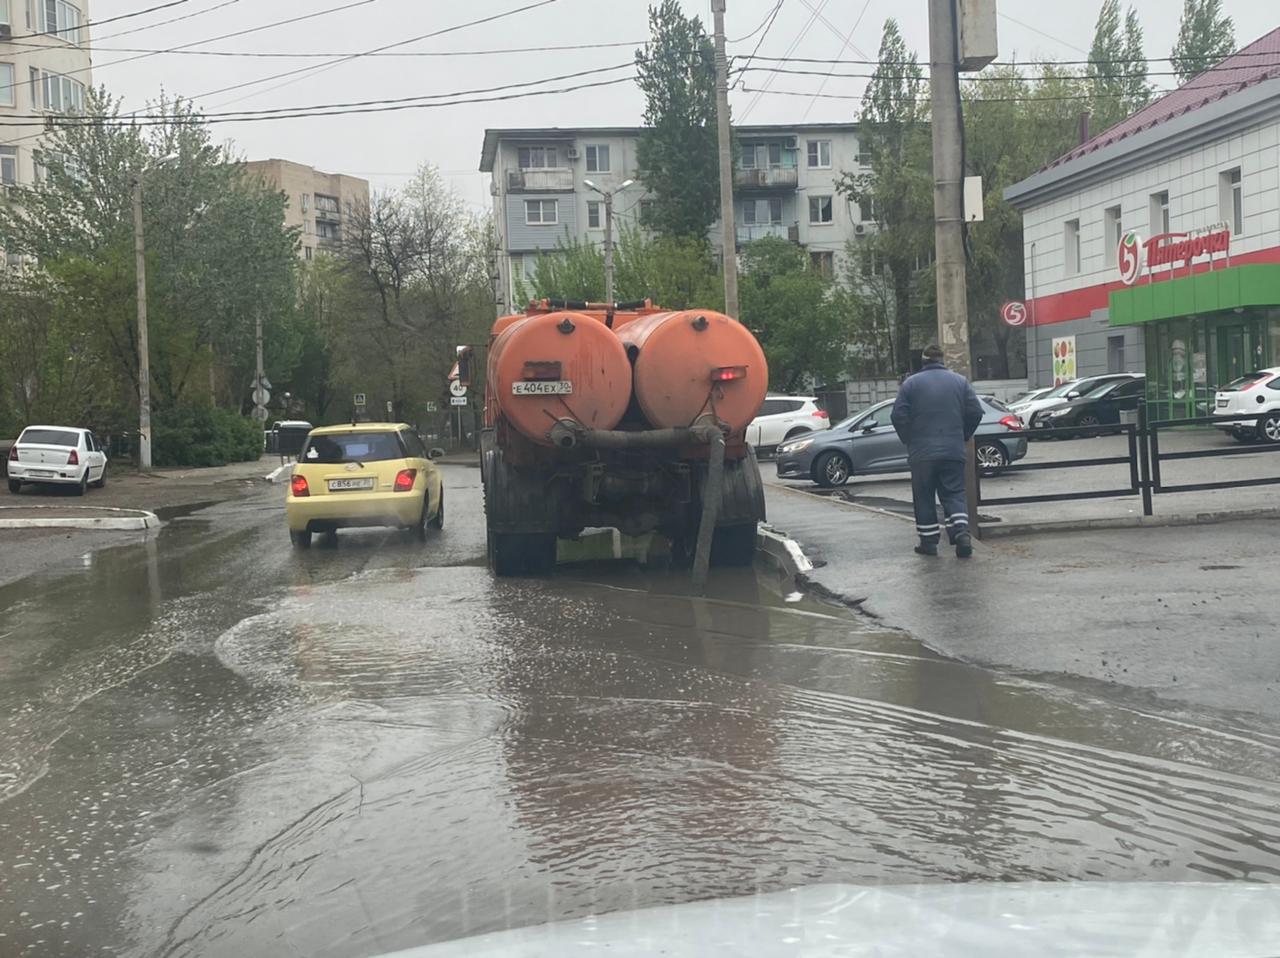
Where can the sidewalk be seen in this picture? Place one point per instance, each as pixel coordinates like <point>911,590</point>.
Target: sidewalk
<point>1184,613</point>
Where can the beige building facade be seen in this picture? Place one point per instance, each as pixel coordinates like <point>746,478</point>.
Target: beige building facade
<point>319,204</point>
<point>45,68</point>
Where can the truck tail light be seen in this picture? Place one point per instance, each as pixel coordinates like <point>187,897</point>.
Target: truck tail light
<point>1012,422</point>
<point>405,479</point>
<point>298,486</point>
<point>724,374</point>
<point>539,371</point>
<point>73,459</point>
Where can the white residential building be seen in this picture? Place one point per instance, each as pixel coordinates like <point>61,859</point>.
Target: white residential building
<point>784,185</point>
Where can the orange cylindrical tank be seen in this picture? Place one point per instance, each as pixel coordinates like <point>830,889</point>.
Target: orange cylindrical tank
<point>676,354</point>
<point>532,357</point>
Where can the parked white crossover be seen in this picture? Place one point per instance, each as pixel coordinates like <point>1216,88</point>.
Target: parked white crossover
<point>61,455</point>
<point>786,417</point>
<point>1257,394</point>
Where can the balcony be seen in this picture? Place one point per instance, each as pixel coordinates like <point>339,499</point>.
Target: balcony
<point>540,181</point>
<point>769,178</point>
<point>760,230</point>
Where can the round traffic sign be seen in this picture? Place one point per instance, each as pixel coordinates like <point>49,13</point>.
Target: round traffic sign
<point>260,413</point>
<point>457,387</point>
<point>1014,313</point>
<point>261,397</point>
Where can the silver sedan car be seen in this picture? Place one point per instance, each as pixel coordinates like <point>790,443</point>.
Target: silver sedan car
<point>866,444</point>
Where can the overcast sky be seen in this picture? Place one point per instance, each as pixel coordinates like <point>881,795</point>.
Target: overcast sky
<point>386,148</point>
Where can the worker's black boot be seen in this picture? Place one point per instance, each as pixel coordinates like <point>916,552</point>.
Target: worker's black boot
<point>927,548</point>
<point>964,546</point>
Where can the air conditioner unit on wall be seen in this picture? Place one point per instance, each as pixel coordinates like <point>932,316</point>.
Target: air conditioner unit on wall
<point>860,229</point>
<point>572,153</point>
<point>6,31</point>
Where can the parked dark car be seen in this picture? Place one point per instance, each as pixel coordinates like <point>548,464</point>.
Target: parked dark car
<point>866,444</point>
<point>1101,407</point>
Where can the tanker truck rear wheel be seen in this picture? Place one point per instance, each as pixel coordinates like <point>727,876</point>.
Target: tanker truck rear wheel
<point>522,553</point>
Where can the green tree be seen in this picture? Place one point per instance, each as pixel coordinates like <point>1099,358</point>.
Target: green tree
<point>677,153</point>
<point>1117,70</point>
<point>898,192</point>
<point>1206,37</point>
<point>790,307</point>
<point>1137,89</point>
<point>574,270</point>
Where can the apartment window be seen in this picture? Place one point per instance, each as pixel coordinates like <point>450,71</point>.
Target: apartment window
<point>1112,230</point>
<point>541,212</point>
<point>869,263</point>
<point>8,165</point>
<point>63,94</point>
<point>820,210</point>
<point>35,89</point>
<point>1071,246</point>
<point>7,88</point>
<point>1230,200</point>
<point>306,227</point>
<point>867,210</point>
<point>775,210</point>
<point>307,252</point>
<point>305,200</point>
<point>597,158</point>
<point>761,156</point>
<point>647,211</point>
<point>749,213</point>
<point>537,157</point>
<point>1158,214</point>
<point>594,215</point>
<point>327,230</point>
<point>819,154</point>
<point>327,204</point>
<point>824,262</point>
<point>4,13</point>
<point>58,16</point>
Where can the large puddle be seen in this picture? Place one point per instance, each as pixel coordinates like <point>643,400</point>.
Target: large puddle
<point>339,756</point>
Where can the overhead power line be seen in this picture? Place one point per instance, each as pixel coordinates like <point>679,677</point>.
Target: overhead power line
<point>768,25</point>
<point>311,55</point>
<point>972,79</point>
<point>98,23</point>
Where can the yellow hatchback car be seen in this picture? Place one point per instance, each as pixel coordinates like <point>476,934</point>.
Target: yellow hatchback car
<point>366,474</point>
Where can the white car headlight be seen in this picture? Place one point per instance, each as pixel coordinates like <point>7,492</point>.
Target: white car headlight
<point>796,446</point>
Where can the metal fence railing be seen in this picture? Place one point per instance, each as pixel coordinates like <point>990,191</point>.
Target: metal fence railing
<point>1143,461</point>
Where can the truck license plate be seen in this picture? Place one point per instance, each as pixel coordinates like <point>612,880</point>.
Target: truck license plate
<point>344,485</point>
<point>560,387</point>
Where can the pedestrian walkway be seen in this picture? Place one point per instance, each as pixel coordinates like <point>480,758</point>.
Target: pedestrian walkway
<point>1175,611</point>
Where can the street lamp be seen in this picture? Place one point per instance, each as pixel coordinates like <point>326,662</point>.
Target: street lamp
<point>608,234</point>
<point>144,355</point>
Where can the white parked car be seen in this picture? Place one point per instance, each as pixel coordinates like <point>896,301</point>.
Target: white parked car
<point>786,417</point>
<point>62,455</point>
<point>1257,394</point>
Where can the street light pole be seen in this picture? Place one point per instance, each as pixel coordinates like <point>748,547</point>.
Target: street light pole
<point>608,196</point>
<point>729,232</point>
<point>144,355</point>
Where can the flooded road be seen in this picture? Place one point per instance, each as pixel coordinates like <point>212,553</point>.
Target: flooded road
<point>215,746</point>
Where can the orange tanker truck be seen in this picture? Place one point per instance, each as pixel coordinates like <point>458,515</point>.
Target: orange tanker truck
<point>630,417</point>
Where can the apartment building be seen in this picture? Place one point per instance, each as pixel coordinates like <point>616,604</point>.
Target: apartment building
<point>784,185</point>
<point>45,67</point>
<point>319,204</point>
<point>1155,246</point>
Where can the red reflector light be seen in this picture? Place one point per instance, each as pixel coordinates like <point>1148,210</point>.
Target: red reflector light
<point>298,486</point>
<point>725,373</point>
<point>13,453</point>
<point>1012,422</point>
<point>820,414</point>
<point>542,371</point>
<point>73,459</point>
<point>405,479</point>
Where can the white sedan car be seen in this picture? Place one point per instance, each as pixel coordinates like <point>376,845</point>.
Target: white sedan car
<point>1257,394</point>
<point>60,455</point>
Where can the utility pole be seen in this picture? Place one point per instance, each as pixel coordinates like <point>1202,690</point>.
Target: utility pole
<point>608,196</point>
<point>729,232</point>
<point>144,355</point>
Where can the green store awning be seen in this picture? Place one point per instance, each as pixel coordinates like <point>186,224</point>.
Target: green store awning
<point>1215,291</point>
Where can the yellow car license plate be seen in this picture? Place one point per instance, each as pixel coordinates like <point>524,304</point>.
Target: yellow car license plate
<point>346,485</point>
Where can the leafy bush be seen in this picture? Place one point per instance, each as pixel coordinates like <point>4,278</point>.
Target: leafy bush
<point>204,436</point>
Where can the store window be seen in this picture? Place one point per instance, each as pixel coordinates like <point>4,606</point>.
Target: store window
<point>1113,229</point>
<point>1158,214</point>
<point>1115,354</point>
<point>1231,200</point>
<point>1071,246</point>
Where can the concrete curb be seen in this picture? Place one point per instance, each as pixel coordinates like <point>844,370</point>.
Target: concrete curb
<point>783,552</point>
<point>277,473</point>
<point>1007,529</point>
<point>128,520</point>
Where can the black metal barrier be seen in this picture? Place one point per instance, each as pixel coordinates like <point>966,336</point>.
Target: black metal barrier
<point>1144,460</point>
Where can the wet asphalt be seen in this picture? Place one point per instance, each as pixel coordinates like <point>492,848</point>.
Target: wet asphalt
<point>212,745</point>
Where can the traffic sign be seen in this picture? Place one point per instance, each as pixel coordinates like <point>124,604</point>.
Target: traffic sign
<point>260,413</point>
<point>457,400</point>
<point>360,399</point>
<point>264,382</point>
<point>432,406</point>
<point>1014,313</point>
<point>457,388</point>
<point>261,396</point>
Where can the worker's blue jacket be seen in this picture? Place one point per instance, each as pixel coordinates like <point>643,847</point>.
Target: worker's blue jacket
<point>935,414</point>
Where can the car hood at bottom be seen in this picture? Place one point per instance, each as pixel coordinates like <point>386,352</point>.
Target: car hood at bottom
<point>970,920</point>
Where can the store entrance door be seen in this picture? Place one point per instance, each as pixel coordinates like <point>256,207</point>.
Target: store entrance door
<point>1240,351</point>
